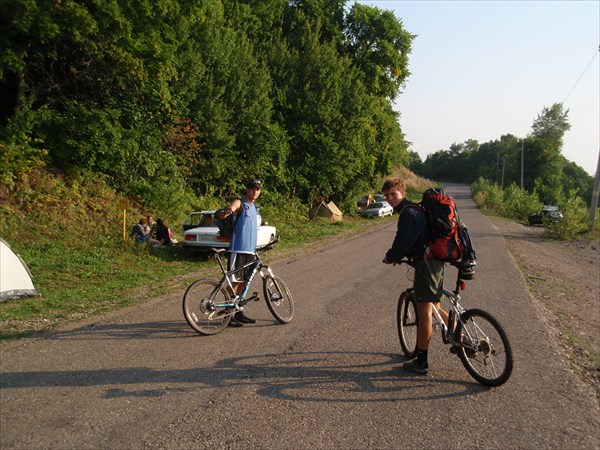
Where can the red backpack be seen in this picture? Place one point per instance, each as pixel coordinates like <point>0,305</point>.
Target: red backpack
<point>450,240</point>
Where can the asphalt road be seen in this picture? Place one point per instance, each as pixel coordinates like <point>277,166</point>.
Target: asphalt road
<point>141,378</point>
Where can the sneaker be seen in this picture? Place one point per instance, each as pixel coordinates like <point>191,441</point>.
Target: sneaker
<point>243,318</point>
<point>416,367</point>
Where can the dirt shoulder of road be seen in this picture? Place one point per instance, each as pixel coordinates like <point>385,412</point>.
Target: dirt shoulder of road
<point>563,277</point>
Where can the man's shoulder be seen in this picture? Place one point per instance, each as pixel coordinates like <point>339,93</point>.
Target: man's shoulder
<point>410,207</point>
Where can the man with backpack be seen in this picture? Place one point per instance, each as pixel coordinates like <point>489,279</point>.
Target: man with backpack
<point>242,248</point>
<point>411,241</point>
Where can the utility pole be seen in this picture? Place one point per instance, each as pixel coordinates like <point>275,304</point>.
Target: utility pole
<point>522,152</point>
<point>497,166</point>
<point>594,204</point>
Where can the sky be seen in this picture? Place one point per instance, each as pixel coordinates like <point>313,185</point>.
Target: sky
<point>483,69</point>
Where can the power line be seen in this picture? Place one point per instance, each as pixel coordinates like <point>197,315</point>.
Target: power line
<point>586,105</point>
<point>581,76</point>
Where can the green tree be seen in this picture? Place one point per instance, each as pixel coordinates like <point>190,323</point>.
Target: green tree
<point>415,163</point>
<point>576,179</point>
<point>543,160</point>
<point>551,125</point>
<point>325,118</point>
<point>379,46</point>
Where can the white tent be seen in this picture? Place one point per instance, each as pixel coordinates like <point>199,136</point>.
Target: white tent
<point>15,278</point>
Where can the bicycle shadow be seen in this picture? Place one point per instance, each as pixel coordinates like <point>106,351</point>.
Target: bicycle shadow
<point>300,376</point>
<point>166,329</point>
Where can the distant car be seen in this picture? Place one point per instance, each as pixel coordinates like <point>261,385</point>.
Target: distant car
<point>378,209</point>
<point>550,213</point>
<point>200,232</point>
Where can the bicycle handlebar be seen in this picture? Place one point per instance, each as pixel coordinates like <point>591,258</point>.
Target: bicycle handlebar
<point>269,246</point>
<point>408,262</point>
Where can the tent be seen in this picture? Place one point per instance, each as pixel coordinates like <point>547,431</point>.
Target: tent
<point>15,278</point>
<point>327,210</point>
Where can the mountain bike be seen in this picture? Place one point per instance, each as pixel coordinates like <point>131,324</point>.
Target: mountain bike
<point>208,306</point>
<point>475,335</point>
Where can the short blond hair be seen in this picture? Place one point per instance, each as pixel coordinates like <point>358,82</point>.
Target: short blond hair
<point>393,183</point>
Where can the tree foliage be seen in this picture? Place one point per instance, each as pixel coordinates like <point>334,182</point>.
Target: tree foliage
<point>163,96</point>
<point>545,171</point>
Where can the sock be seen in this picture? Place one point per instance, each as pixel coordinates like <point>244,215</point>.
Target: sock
<point>422,357</point>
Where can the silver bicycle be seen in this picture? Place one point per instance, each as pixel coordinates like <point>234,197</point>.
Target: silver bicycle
<point>474,334</point>
<point>208,306</point>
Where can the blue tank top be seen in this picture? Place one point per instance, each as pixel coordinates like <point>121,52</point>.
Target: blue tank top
<point>245,233</point>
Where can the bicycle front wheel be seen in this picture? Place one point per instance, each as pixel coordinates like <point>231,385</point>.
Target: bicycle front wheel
<point>407,320</point>
<point>485,350</point>
<point>200,307</point>
<point>279,299</point>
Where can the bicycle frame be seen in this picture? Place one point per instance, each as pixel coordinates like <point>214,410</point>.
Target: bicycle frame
<point>238,300</point>
<point>453,314</point>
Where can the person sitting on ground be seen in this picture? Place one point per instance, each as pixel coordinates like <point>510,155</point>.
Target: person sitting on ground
<point>151,227</point>
<point>163,235</point>
<point>139,231</point>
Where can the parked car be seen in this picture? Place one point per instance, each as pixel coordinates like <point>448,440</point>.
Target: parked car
<point>378,209</point>
<point>549,213</point>
<point>200,232</point>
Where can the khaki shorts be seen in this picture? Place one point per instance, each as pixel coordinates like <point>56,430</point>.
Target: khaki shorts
<point>429,280</point>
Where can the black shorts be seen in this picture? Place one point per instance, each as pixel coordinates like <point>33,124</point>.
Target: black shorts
<point>429,280</point>
<point>238,260</point>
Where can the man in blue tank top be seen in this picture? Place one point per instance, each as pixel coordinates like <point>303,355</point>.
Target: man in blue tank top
<point>242,247</point>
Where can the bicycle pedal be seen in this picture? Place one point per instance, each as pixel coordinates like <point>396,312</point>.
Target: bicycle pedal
<point>255,296</point>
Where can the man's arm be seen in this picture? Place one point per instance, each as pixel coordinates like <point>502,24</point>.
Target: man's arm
<point>231,209</point>
<point>409,229</point>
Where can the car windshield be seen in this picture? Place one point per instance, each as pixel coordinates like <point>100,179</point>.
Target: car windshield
<point>376,205</point>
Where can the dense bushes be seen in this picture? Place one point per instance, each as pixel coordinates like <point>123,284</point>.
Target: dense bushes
<point>511,202</point>
<point>516,203</point>
<point>575,219</point>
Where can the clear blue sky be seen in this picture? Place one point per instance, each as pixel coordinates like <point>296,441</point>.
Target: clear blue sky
<point>481,69</point>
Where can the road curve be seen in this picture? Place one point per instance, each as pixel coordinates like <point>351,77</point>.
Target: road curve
<point>141,378</point>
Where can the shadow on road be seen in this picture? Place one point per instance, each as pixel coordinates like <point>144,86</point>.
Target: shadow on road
<point>164,329</point>
<point>302,376</point>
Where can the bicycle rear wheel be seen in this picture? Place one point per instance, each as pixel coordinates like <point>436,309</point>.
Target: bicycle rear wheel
<point>485,350</point>
<point>199,309</point>
<point>407,320</point>
<point>279,299</point>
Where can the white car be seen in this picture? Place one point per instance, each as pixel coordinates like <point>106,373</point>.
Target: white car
<point>200,232</point>
<point>378,209</point>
